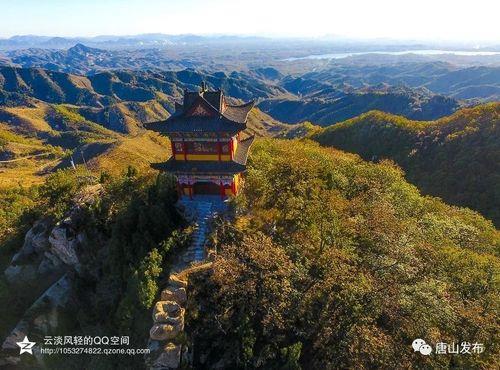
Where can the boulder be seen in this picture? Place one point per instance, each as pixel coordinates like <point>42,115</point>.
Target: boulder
<point>49,264</point>
<point>63,244</point>
<point>163,318</point>
<point>36,240</point>
<point>176,282</point>
<point>169,358</point>
<point>173,309</point>
<point>169,312</point>
<point>37,236</point>
<point>164,331</point>
<point>174,294</point>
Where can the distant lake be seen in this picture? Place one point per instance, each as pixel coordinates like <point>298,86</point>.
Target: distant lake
<point>417,52</point>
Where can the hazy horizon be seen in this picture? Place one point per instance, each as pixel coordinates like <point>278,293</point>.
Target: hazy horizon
<point>423,21</point>
<point>326,37</point>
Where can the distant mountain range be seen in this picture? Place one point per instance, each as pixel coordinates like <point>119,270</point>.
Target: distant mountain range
<point>476,82</point>
<point>119,42</point>
<point>337,90</point>
<point>139,91</point>
<point>281,97</point>
<point>81,59</point>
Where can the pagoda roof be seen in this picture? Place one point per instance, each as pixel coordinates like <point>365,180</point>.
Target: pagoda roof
<point>237,165</point>
<point>242,150</point>
<point>204,111</point>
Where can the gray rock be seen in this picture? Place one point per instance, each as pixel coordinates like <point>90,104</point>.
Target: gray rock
<point>170,357</point>
<point>38,235</point>
<point>36,240</point>
<point>176,282</point>
<point>164,331</point>
<point>53,259</point>
<point>19,274</point>
<point>177,295</point>
<point>47,266</point>
<point>63,244</point>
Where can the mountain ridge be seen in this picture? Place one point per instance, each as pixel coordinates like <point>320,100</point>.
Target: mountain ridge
<point>455,157</point>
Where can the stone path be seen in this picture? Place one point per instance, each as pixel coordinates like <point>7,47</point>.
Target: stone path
<point>169,311</point>
<point>196,251</point>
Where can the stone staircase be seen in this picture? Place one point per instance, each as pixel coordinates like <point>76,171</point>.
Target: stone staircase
<point>196,251</point>
<point>168,313</point>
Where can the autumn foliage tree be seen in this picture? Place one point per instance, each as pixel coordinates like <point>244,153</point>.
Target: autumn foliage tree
<point>334,262</point>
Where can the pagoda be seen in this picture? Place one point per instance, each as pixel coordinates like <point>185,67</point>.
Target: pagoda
<point>209,153</point>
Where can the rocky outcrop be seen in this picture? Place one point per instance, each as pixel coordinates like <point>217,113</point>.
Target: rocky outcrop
<point>164,331</point>
<point>20,274</point>
<point>49,248</point>
<point>64,241</point>
<point>168,324</point>
<point>169,357</point>
<point>168,318</point>
<point>46,251</point>
<point>42,317</point>
<point>35,240</point>
<point>174,294</point>
<point>47,262</point>
<point>169,312</point>
<point>33,259</point>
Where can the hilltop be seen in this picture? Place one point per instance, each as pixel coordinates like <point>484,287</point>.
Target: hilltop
<point>456,157</point>
<point>335,262</point>
<point>330,261</point>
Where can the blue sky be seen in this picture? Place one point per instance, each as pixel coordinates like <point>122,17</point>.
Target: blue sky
<point>399,19</point>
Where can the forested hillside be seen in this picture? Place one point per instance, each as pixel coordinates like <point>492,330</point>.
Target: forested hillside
<point>128,231</point>
<point>331,261</point>
<point>329,104</point>
<point>334,262</point>
<point>456,157</point>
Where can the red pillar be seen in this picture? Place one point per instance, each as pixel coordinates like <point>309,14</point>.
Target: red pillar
<point>231,146</point>
<point>219,150</point>
<point>233,187</point>
<point>190,191</point>
<point>184,149</point>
